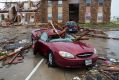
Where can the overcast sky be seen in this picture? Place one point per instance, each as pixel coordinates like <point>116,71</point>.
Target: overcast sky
<point>114,7</point>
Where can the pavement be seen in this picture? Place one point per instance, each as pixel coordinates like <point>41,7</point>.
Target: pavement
<point>36,68</point>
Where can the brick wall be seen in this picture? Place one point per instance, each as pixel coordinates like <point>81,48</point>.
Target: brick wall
<point>65,5</point>
<point>106,11</point>
<point>82,9</point>
<point>44,11</point>
<point>55,10</point>
<point>94,11</point>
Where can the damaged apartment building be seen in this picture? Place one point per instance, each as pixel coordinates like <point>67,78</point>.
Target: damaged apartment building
<point>83,11</point>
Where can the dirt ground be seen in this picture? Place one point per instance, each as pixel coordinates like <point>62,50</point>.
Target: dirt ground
<point>106,48</point>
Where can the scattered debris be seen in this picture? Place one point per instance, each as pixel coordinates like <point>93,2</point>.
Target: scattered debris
<point>76,78</point>
<point>11,47</point>
<point>23,41</point>
<point>8,41</point>
<point>99,36</point>
<point>2,53</point>
<point>16,56</point>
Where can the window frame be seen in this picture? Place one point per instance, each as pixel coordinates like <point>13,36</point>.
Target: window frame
<point>100,2</point>
<point>88,2</point>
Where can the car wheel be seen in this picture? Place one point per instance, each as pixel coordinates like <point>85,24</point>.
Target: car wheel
<point>51,60</point>
<point>32,39</point>
<point>34,51</point>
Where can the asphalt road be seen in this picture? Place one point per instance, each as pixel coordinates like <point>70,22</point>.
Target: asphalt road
<point>33,69</point>
<point>21,71</point>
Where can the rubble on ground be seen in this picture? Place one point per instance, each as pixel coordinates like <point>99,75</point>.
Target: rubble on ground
<point>14,53</point>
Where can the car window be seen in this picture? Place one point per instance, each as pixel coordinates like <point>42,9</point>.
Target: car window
<point>71,23</point>
<point>44,36</point>
<point>61,40</point>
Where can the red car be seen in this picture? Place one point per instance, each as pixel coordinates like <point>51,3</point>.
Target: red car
<point>63,51</point>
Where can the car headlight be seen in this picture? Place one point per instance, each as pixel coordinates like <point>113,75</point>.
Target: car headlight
<point>66,54</point>
<point>95,51</point>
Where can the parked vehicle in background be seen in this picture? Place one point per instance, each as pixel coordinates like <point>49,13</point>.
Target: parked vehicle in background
<point>72,26</point>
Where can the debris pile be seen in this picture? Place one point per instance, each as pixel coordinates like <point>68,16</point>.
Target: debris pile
<point>105,69</point>
<point>14,53</point>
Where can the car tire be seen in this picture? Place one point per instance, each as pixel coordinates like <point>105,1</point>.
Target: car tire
<point>32,39</point>
<point>51,60</point>
<point>35,51</point>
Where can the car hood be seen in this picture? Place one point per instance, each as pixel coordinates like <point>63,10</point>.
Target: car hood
<point>71,47</point>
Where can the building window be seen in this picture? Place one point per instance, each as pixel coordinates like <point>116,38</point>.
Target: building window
<point>49,3</point>
<point>49,16</point>
<point>88,2</point>
<point>59,3</point>
<point>60,11</point>
<point>87,17</point>
<point>88,14</point>
<point>100,17</point>
<point>100,14</point>
<point>100,2</point>
<point>49,10</point>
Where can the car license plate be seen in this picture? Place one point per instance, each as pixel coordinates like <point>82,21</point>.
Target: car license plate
<point>88,62</point>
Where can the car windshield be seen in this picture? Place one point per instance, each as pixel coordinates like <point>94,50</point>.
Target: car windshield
<point>68,38</point>
<point>71,23</point>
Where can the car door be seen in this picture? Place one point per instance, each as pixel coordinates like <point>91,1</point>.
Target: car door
<point>43,47</point>
<point>43,43</point>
